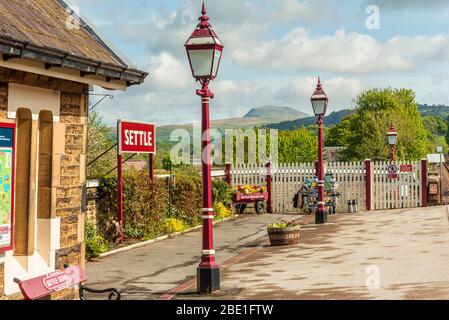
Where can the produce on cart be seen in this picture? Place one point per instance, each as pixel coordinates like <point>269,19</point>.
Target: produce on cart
<point>307,197</point>
<point>246,194</point>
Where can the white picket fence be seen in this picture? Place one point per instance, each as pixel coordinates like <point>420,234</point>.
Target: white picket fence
<point>287,179</point>
<point>403,192</point>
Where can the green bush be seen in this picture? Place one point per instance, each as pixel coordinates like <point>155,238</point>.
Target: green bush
<point>95,244</point>
<point>146,210</point>
<point>221,193</point>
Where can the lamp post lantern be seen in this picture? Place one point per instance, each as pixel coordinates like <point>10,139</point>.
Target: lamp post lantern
<point>204,51</point>
<point>392,136</point>
<point>319,104</point>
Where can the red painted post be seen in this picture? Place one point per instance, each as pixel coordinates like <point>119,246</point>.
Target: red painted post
<point>269,188</point>
<point>208,270</point>
<point>424,182</point>
<point>120,189</point>
<point>321,214</point>
<point>368,184</point>
<point>228,175</point>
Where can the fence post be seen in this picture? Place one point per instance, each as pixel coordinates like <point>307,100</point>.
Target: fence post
<point>228,175</point>
<point>369,185</point>
<point>424,183</point>
<point>269,205</point>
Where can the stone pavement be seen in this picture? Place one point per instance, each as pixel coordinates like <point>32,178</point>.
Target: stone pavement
<point>151,271</point>
<point>398,254</point>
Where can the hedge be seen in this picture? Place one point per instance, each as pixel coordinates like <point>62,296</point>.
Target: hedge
<point>146,211</point>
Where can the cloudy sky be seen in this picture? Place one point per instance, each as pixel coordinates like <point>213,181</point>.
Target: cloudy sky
<point>274,51</point>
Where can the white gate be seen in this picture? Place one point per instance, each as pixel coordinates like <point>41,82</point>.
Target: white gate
<point>386,193</point>
<point>403,192</point>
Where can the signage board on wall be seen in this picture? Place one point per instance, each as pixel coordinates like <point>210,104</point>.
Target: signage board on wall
<point>7,150</point>
<point>136,137</point>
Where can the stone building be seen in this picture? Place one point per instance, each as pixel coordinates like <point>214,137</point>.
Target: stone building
<point>49,58</point>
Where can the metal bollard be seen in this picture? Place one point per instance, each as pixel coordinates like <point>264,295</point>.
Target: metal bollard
<point>350,207</point>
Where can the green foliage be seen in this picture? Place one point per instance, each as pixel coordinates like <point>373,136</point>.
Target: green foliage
<point>98,142</point>
<point>338,135</point>
<point>95,244</point>
<point>376,110</point>
<point>297,146</point>
<point>221,193</point>
<point>435,125</point>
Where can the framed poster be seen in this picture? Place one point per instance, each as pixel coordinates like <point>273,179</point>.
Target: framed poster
<point>7,170</point>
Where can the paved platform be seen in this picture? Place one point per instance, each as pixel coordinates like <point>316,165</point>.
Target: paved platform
<point>399,254</point>
<point>151,271</point>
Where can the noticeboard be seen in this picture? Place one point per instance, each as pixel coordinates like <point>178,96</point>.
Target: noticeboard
<point>7,161</point>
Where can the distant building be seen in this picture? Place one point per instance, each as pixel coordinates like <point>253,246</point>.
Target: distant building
<point>46,68</point>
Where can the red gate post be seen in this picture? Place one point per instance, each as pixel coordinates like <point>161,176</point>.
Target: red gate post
<point>269,180</point>
<point>424,182</point>
<point>368,184</point>
<point>228,175</point>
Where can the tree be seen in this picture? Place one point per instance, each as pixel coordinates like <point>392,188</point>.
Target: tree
<point>99,142</point>
<point>338,135</point>
<point>297,146</point>
<point>376,110</point>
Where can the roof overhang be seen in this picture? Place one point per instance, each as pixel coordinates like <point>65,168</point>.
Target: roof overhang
<point>12,49</point>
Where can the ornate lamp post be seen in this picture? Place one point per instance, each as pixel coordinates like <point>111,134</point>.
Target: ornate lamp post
<point>204,51</point>
<point>319,104</point>
<point>392,136</point>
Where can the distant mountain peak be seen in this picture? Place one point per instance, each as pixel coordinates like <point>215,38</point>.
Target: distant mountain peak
<point>275,112</point>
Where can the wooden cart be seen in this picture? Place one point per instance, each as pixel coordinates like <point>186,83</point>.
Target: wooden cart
<point>241,201</point>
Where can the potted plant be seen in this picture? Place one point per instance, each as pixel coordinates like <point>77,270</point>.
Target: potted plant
<point>285,233</point>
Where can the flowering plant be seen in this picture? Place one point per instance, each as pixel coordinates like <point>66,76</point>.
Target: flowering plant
<point>247,189</point>
<point>283,224</point>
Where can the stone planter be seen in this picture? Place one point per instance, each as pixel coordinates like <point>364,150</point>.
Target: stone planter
<point>285,236</point>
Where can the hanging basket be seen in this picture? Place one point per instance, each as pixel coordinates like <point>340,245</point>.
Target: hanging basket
<point>284,236</point>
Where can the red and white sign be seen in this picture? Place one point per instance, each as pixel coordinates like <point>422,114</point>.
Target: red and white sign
<point>136,137</point>
<point>406,168</point>
<point>57,281</point>
<point>393,171</point>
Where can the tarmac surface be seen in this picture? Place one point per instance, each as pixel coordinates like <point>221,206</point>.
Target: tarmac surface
<point>151,271</point>
<point>396,254</point>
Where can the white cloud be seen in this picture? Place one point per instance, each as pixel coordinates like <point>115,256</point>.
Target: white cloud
<point>343,52</point>
<point>341,92</point>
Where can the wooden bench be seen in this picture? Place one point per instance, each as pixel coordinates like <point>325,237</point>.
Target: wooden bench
<point>70,277</point>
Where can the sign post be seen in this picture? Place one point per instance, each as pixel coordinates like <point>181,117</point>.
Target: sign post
<point>7,171</point>
<point>440,151</point>
<point>133,137</point>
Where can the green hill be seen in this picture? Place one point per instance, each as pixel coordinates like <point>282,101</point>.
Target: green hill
<point>332,119</point>
<point>434,110</point>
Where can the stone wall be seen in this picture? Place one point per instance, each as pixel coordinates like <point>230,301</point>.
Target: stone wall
<point>92,196</point>
<point>69,162</point>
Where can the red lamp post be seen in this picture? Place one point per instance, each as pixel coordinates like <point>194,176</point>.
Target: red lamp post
<point>319,104</point>
<point>392,136</point>
<point>204,51</point>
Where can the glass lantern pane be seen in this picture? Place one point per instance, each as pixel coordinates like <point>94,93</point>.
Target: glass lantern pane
<point>392,139</point>
<point>318,106</point>
<point>216,62</point>
<point>201,61</point>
